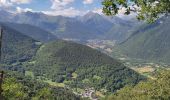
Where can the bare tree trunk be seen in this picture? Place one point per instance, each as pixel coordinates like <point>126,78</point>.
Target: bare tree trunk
<point>2,72</point>
<point>1,81</point>
<point>1,35</point>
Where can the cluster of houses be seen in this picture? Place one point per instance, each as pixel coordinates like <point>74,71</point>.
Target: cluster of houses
<point>89,93</point>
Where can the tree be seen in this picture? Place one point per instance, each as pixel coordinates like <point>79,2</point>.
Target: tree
<point>12,90</point>
<point>44,94</point>
<point>149,10</point>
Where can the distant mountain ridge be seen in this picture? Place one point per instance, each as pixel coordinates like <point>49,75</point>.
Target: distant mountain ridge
<point>32,31</point>
<point>89,26</point>
<point>98,22</point>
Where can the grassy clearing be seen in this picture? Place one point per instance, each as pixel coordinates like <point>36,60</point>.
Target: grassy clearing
<point>96,77</point>
<point>78,90</point>
<point>50,82</point>
<point>30,74</point>
<point>74,75</point>
<point>41,47</point>
<point>146,69</point>
<point>38,43</point>
<point>98,93</point>
<point>54,83</point>
<point>32,62</point>
<point>86,81</point>
<point>66,82</point>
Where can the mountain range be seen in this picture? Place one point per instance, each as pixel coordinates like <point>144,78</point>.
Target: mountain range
<point>89,26</point>
<point>137,39</point>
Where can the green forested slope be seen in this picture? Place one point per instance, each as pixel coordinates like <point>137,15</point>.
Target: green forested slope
<point>157,89</point>
<point>16,46</point>
<point>150,43</point>
<point>80,66</point>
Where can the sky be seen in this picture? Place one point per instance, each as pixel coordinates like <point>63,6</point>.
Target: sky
<point>53,7</point>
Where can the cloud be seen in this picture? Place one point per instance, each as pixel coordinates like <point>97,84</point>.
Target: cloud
<point>5,3</point>
<point>69,12</point>
<point>121,13</point>
<point>98,10</point>
<point>20,10</point>
<point>9,3</point>
<point>61,7</point>
<point>59,4</point>
<point>87,1</point>
<point>21,1</point>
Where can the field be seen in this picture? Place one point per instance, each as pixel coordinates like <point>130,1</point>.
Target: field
<point>145,69</point>
<point>30,74</point>
<point>54,83</point>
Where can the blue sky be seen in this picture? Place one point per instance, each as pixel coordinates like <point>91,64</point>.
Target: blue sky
<point>53,7</point>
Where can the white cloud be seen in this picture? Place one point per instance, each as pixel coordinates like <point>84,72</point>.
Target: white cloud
<point>8,3</point>
<point>59,4</point>
<point>20,1</point>
<point>20,10</point>
<point>121,13</point>
<point>87,1</point>
<point>69,12</point>
<point>98,10</point>
<point>5,3</point>
<point>127,17</point>
<point>61,7</point>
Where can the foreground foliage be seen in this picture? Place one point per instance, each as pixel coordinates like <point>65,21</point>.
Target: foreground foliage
<point>146,9</point>
<point>17,87</point>
<point>158,89</point>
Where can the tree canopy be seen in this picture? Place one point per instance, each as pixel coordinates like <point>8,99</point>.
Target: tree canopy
<point>149,10</point>
<point>158,89</point>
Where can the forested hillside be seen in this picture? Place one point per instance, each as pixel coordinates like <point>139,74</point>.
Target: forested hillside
<point>151,42</point>
<point>17,47</point>
<point>80,66</point>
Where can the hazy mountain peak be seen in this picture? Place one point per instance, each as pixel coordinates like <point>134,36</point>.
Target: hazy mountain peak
<point>91,16</point>
<point>90,13</point>
<point>29,13</point>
